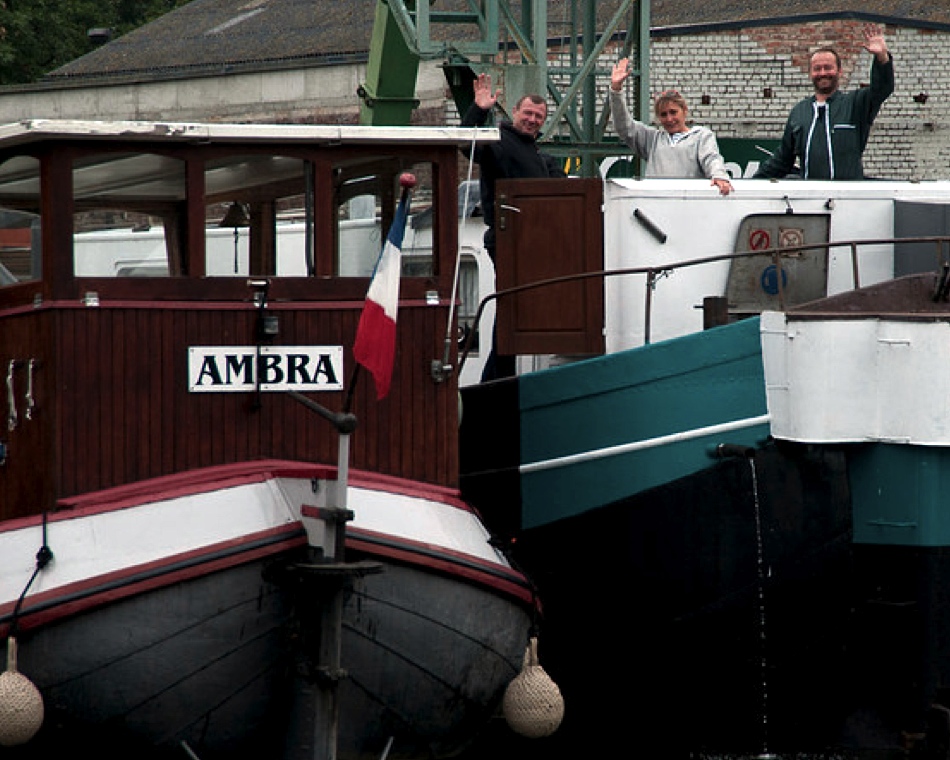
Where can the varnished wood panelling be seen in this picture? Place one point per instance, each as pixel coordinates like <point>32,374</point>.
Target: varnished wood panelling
<point>112,383</point>
<point>563,220</point>
<point>130,416</point>
<point>27,482</point>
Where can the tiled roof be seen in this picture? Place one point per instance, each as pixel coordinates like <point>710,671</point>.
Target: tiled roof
<point>209,36</point>
<point>909,12</point>
<point>229,34</point>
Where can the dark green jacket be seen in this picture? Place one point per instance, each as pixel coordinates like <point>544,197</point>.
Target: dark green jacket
<point>850,115</point>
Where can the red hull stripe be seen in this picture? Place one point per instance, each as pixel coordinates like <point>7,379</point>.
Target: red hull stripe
<point>74,598</point>
<point>77,597</point>
<point>502,579</point>
<point>44,608</point>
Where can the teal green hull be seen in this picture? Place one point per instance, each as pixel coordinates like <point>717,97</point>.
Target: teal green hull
<point>899,494</point>
<point>664,389</point>
<point>815,542</point>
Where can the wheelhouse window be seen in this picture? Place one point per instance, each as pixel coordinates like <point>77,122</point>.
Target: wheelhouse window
<point>366,198</point>
<point>20,238</point>
<point>128,215</point>
<point>176,212</point>
<point>259,216</point>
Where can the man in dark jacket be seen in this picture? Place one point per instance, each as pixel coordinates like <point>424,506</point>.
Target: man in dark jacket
<point>515,156</point>
<point>827,133</point>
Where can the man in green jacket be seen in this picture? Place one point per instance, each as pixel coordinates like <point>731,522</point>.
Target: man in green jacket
<point>827,133</point>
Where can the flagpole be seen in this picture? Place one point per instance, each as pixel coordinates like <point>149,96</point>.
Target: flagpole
<point>441,370</point>
<point>348,401</point>
<point>374,346</point>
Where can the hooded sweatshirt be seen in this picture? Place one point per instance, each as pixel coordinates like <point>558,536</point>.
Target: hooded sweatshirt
<point>693,156</point>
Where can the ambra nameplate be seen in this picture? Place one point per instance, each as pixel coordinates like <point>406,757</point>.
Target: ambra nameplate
<point>222,369</point>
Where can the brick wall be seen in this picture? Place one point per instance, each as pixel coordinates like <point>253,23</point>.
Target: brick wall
<point>753,77</point>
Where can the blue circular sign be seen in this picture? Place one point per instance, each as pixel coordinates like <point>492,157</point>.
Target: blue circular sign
<point>769,280</point>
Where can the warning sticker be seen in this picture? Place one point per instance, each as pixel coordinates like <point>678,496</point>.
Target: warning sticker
<point>791,237</point>
<point>759,240</point>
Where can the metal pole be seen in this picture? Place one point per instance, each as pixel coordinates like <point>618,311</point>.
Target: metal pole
<point>314,729</point>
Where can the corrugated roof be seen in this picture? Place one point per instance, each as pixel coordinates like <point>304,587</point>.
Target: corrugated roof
<point>207,36</point>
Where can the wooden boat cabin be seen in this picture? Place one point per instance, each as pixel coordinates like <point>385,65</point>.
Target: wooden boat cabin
<point>118,371</point>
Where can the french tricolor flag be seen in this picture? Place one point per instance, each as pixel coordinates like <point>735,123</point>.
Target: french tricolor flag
<point>375,346</point>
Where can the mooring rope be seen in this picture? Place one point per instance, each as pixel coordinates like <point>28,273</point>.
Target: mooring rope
<point>43,557</point>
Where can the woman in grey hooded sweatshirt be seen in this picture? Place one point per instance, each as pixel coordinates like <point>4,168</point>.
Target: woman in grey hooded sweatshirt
<point>676,150</point>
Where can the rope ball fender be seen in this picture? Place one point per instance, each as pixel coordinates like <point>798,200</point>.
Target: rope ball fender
<point>21,704</point>
<point>533,705</point>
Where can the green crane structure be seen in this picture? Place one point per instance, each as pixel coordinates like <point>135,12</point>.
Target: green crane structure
<point>553,48</point>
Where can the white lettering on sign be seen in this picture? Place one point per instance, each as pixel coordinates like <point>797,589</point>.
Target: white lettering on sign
<point>224,369</point>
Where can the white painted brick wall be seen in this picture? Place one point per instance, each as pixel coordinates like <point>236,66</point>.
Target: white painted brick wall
<point>909,140</point>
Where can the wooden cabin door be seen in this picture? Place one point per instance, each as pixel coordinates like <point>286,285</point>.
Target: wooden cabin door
<point>549,228</point>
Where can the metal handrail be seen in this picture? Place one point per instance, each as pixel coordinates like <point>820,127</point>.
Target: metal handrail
<point>652,273</point>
